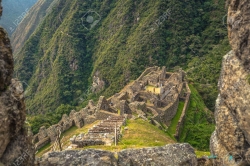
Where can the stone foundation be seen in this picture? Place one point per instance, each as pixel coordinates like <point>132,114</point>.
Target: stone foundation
<point>104,133</point>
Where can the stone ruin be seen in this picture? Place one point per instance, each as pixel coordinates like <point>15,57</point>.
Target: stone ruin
<point>87,115</point>
<point>105,133</point>
<point>154,95</point>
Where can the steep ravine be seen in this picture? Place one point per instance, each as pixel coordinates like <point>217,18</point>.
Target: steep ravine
<point>231,139</point>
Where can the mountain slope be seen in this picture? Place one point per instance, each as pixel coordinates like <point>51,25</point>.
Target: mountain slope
<point>63,56</point>
<point>13,13</point>
<point>32,20</point>
<point>47,57</point>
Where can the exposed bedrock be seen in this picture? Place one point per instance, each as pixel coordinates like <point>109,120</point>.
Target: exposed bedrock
<point>15,144</point>
<point>230,141</point>
<point>171,155</point>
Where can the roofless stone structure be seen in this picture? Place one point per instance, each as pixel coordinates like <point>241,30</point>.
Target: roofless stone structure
<point>154,95</point>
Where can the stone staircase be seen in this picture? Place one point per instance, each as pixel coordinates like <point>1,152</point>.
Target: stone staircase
<point>101,134</point>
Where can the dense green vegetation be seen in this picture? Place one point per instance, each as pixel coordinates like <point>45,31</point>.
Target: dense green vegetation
<point>198,123</point>
<point>172,128</point>
<point>49,118</point>
<point>60,59</point>
<point>204,72</point>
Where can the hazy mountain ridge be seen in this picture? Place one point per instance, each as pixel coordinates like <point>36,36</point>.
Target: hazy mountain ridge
<point>13,13</point>
<point>29,24</point>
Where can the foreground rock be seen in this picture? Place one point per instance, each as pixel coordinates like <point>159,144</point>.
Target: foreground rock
<point>231,140</point>
<point>78,157</point>
<point>15,145</point>
<point>171,155</point>
<point>231,137</point>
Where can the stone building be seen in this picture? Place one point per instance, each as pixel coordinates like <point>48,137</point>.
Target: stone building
<point>154,95</point>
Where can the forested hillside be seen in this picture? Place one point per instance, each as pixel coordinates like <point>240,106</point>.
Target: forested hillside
<point>13,13</point>
<point>113,42</point>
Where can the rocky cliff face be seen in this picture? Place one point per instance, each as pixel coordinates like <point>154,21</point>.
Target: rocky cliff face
<point>231,139</point>
<point>15,145</point>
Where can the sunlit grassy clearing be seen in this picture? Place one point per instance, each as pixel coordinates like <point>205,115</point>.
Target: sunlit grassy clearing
<point>140,134</point>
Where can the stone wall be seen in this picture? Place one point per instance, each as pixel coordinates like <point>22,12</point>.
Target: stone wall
<point>163,73</point>
<point>103,104</point>
<point>114,100</point>
<point>90,119</point>
<point>171,155</point>
<point>147,71</point>
<point>100,115</point>
<point>52,132</point>
<point>123,96</point>
<point>87,115</point>
<point>44,136</point>
<point>104,133</point>
<point>138,106</point>
<point>124,107</point>
<point>183,114</point>
<point>169,112</point>
<point>42,143</point>
<point>65,123</point>
<point>156,116</point>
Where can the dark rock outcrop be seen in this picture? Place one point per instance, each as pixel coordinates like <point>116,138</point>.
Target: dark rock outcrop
<point>231,139</point>
<point>15,145</point>
<point>171,155</point>
<point>6,60</point>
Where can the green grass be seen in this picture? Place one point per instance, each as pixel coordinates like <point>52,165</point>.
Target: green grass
<point>43,150</point>
<point>248,78</point>
<point>201,153</point>
<point>140,134</point>
<point>198,124</point>
<point>174,122</point>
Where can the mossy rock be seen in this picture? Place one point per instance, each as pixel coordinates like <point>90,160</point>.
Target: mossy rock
<point>248,79</point>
